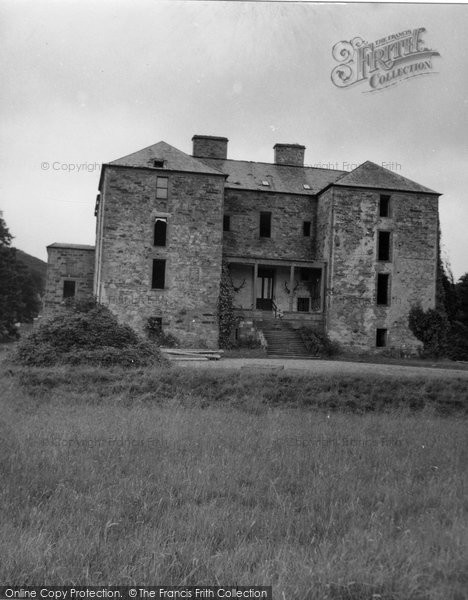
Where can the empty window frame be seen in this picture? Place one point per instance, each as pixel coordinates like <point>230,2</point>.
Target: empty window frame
<point>155,325</point>
<point>69,289</point>
<point>265,224</point>
<point>306,228</point>
<point>161,188</point>
<point>384,205</point>
<point>160,231</point>
<point>381,337</point>
<point>158,164</point>
<point>158,279</point>
<point>384,239</point>
<point>383,289</point>
<point>303,304</point>
<point>227,223</point>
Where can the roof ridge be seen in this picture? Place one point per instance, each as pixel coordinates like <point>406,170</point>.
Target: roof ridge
<point>272,164</point>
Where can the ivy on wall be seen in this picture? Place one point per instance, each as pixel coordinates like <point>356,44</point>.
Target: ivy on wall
<point>444,329</point>
<point>226,317</point>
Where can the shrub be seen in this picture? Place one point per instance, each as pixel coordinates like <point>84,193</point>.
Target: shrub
<point>431,328</point>
<point>85,335</point>
<point>249,343</point>
<point>318,344</point>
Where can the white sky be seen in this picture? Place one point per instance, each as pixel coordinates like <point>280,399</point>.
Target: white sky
<point>88,82</point>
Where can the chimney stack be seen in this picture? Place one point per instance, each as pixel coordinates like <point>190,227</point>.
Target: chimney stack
<point>289,154</point>
<point>209,146</point>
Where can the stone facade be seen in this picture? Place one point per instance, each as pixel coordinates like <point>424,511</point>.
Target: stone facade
<point>288,214</point>
<point>70,271</point>
<point>347,253</point>
<point>353,314</point>
<point>193,211</point>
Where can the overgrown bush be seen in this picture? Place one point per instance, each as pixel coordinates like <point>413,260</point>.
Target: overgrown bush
<point>249,343</point>
<point>431,328</point>
<point>85,334</point>
<point>318,344</point>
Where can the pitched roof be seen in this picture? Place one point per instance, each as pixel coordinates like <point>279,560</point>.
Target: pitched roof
<point>70,246</point>
<point>243,174</point>
<point>374,176</point>
<point>249,175</point>
<point>174,160</point>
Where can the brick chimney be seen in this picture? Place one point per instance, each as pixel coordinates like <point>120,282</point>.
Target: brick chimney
<point>209,146</point>
<point>289,154</point>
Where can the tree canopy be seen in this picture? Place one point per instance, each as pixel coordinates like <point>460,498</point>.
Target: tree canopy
<point>19,295</point>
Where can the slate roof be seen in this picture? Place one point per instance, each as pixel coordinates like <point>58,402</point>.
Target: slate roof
<point>175,160</point>
<point>370,175</point>
<point>243,174</point>
<point>72,246</point>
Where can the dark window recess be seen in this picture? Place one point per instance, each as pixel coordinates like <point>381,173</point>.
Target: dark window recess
<point>69,289</point>
<point>227,223</point>
<point>160,231</point>
<point>384,206</point>
<point>383,280</point>
<point>306,228</point>
<point>383,250</point>
<point>161,188</point>
<point>158,281</point>
<point>303,304</point>
<point>159,164</point>
<point>381,338</point>
<point>155,325</point>
<point>306,274</point>
<point>265,224</point>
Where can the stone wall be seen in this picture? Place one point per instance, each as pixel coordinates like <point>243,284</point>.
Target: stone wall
<point>288,214</point>
<point>68,264</point>
<point>353,314</point>
<point>193,252</point>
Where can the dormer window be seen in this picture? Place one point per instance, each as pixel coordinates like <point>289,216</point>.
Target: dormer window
<point>158,163</point>
<point>266,183</point>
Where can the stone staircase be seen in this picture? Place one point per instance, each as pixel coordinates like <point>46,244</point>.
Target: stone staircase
<point>283,341</point>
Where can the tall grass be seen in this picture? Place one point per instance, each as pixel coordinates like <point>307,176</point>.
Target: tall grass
<point>130,481</point>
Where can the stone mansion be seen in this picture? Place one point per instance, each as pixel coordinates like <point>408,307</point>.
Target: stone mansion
<point>345,252</point>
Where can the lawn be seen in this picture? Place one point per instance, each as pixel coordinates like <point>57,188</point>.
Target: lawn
<point>323,488</point>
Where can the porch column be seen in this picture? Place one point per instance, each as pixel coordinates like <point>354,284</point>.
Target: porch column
<point>254,286</point>
<point>322,289</point>
<point>291,288</point>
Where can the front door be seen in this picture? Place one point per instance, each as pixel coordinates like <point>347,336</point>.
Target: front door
<point>265,282</point>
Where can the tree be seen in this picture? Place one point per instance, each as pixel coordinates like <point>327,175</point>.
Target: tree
<point>18,293</point>
<point>458,335</point>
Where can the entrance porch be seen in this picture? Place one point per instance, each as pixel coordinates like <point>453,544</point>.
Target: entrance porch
<point>264,288</point>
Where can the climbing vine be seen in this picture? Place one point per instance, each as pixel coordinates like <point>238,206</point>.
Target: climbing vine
<point>226,316</point>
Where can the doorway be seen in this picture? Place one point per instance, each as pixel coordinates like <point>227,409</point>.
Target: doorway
<point>265,285</point>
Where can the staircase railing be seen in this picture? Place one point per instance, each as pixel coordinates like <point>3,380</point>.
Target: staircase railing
<point>277,312</point>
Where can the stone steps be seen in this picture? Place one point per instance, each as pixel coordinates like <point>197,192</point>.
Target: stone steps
<point>282,340</point>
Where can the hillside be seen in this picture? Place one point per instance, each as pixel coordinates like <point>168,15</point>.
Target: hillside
<point>36,266</point>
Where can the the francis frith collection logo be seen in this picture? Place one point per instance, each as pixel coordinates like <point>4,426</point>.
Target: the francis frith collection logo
<point>383,63</point>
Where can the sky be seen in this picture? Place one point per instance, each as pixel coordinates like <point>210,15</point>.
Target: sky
<point>88,82</point>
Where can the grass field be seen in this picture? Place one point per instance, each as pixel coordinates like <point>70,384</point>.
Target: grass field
<point>323,488</point>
